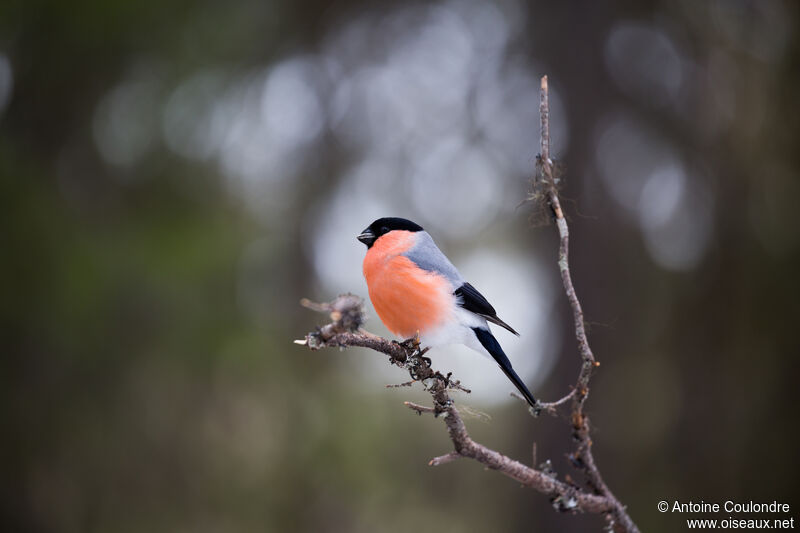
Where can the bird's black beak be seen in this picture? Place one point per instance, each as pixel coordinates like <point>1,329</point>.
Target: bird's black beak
<point>367,237</point>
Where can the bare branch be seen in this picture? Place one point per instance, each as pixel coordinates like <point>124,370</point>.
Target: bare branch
<point>399,385</point>
<point>565,496</point>
<point>583,456</point>
<point>419,408</point>
<point>443,459</point>
<point>551,407</point>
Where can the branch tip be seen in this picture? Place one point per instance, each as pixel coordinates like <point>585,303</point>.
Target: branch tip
<point>419,409</point>
<point>444,459</point>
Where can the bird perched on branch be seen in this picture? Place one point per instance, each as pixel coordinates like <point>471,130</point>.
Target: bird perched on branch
<point>416,289</point>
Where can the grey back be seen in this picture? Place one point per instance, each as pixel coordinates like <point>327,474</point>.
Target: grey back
<point>427,256</point>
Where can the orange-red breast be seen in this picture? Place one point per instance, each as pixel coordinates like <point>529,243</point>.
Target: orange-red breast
<point>415,288</point>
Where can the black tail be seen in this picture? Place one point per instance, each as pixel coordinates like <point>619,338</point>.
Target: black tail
<point>488,341</point>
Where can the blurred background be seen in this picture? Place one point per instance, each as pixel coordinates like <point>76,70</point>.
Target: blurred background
<point>175,177</point>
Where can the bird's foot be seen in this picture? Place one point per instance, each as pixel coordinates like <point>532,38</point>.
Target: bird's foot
<point>410,344</point>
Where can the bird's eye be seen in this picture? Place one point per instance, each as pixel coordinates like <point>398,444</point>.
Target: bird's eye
<point>384,230</point>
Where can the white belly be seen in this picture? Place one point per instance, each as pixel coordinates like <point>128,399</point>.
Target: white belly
<point>458,331</point>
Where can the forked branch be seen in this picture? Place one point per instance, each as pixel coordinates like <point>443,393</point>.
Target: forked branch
<point>410,356</point>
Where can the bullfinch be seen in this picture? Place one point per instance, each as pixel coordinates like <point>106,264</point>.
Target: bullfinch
<point>416,289</point>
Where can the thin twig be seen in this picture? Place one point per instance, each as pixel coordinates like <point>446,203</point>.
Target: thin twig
<point>551,407</point>
<point>444,459</point>
<point>419,408</point>
<point>618,515</point>
<point>400,385</point>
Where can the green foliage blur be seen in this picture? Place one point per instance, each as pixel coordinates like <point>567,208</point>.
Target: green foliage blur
<point>148,381</point>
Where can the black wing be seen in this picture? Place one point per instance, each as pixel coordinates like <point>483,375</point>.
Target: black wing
<point>470,299</point>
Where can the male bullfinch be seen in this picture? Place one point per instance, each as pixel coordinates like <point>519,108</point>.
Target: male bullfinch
<point>415,288</point>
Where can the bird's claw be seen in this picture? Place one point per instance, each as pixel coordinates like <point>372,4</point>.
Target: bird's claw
<point>410,344</point>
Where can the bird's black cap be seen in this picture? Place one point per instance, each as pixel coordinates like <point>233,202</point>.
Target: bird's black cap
<point>382,226</point>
